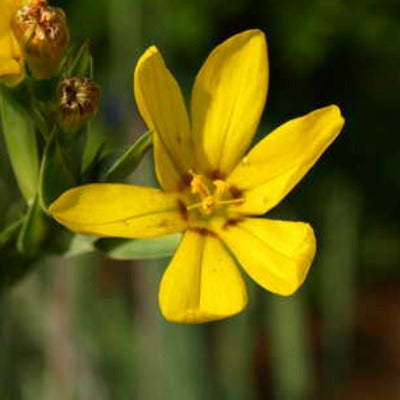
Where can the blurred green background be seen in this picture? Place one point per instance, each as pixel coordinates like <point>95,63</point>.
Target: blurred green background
<point>90,328</point>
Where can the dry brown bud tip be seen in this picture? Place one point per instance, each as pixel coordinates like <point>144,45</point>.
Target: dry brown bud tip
<point>43,34</point>
<point>78,100</point>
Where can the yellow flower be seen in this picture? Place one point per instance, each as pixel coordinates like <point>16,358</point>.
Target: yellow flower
<point>210,188</point>
<point>11,58</point>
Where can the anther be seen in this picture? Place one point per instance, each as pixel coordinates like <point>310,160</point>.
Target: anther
<point>209,203</point>
<point>198,185</point>
<point>222,187</point>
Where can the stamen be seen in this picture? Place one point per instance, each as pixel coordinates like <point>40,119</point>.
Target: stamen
<point>233,201</point>
<point>211,194</point>
<point>198,185</point>
<point>194,206</point>
<point>222,187</point>
<point>209,203</point>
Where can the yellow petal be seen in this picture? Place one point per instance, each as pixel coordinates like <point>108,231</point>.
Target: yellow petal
<point>8,7</point>
<point>227,100</point>
<point>161,105</point>
<point>276,254</point>
<point>119,210</point>
<point>8,66</point>
<point>11,59</point>
<point>169,177</point>
<point>276,164</point>
<point>202,282</point>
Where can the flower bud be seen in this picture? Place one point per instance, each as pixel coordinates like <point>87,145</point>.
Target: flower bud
<point>44,36</point>
<point>78,100</point>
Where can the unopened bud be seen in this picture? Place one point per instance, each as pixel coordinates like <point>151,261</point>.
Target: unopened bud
<point>78,100</point>
<point>44,36</point>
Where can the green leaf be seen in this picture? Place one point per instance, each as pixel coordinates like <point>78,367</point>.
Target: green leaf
<point>95,138</point>
<point>129,160</point>
<point>130,249</point>
<point>33,231</point>
<point>82,65</point>
<point>55,176</point>
<point>9,232</point>
<point>20,138</point>
<point>79,244</point>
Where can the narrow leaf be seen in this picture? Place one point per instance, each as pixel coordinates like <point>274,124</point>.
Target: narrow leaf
<point>129,249</point>
<point>93,149</point>
<point>129,160</point>
<point>79,244</point>
<point>55,176</point>
<point>82,65</point>
<point>20,138</point>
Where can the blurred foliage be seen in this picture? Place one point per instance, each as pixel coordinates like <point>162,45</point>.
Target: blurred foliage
<point>89,327</point>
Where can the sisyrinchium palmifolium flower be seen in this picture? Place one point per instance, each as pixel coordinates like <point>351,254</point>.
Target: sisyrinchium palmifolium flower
<point>211,189</point>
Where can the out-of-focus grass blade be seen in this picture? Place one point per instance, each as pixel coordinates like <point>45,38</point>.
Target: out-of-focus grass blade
<point>234,347</point>
<point>130,249</point>
<point>129,160</point>
<point>20,138</point>
<point>338,251</point>
<point>9,388</point>
<point>33,230</point>
<point>290,357</point>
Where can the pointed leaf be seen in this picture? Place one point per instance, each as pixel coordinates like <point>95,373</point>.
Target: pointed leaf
<point>130,249</point>
<point>55,176</point>
<point>82,65</point>
<point>80,244</point>
<point>94,145</point>
<point>20,138</point>
<point>129,160</point>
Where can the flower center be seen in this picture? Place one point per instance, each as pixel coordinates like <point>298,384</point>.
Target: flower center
<point>209,195</point>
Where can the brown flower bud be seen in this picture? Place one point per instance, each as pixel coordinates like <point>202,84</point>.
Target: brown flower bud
<point>44,36</point>
<point>78,100</point>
